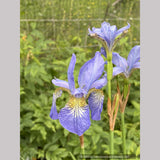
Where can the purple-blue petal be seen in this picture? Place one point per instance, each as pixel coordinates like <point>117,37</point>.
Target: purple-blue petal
<point>119,61</point>
<point>91,71</point>
<point>118,32</point>
<point>90,31</point>
<point>75,119</point>
<point>133,57</point>
<point>105,28</point>
<point>95,102</point>
<point>100,83</point>
<point>117,70</point>
<point>53,112</point>
<point>103,52</point>
<point>70,73</point>
<point>136,65</point>
<point>97,31</point>
<point>112,35</point>
<point>60,83</point>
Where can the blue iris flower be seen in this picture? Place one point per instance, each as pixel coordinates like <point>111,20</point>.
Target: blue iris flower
<point>75,116</point>
<point>108,33</point>
<point>125,66</point>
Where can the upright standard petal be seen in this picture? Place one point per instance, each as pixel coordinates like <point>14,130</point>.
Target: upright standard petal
<point>133,57</point>
<point>100,83</point>
<point>53,112</point>
<point>60,83</point>
<point>105,28</point>
<point>75,119</point>
<point>95,102</point>
<point>70,73</point>
<point>91,71</point>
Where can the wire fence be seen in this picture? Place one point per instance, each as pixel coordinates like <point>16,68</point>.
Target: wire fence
<point>62,20</point>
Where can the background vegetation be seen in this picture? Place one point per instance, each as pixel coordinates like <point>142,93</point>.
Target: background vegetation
<point>51,30</point>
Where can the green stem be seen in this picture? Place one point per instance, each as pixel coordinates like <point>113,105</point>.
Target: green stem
<point>83,153</point>
<point>73,158</point>
<point>109,78</point>
<point>111,142</point>
<point>109,89</point>
<point>123,133</point>
<point>125,89</point>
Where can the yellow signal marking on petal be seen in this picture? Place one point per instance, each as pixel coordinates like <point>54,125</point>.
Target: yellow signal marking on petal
<point>94,90</point>
<point>79,102</point>
<point>62,89</point>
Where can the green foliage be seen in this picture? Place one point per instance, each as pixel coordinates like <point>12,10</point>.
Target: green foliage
<point>44,57</point>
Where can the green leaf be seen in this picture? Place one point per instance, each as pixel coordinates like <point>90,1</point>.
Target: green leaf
<point>95,138</point>
<point>33,25</point>
<point>131,146</point>
<point>53,147</point>
<point>59,151</point>
<point>49,155</point>
<point>41,129</point>
<point>77,150</point>
<point>138,151</point>
<point>40,153</point>
<point>73,142</point>
<point>66,132</point>
<point>136,105</point>
<point>118,140</point>
<point>106,147</point>
<point>50,125</point>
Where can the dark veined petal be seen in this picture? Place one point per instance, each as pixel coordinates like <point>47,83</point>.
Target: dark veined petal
<point>117,70</point>
<point>112,34</point>
<point>133,57</point>
<point>70,73</point>
<point>95,102</point>
<point>100,83</point>
<point>119,61</point>
<point>53,112</point>
<point>105,27</point>
<point>91,71</point>
<point>60,83</point>
<point>122,30</point>
<point>75,119</point>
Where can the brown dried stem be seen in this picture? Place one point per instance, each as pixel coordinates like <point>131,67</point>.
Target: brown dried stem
<point>123,101</point>
<point>112,110</point>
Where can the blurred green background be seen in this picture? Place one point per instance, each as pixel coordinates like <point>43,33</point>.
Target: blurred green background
<point>50,31</point>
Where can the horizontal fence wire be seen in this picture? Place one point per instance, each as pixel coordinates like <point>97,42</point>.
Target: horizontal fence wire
<point>63,20</point>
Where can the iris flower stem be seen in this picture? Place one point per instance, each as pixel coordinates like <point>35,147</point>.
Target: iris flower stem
<point>111,142</point>
<point>109,78</point>
<point>125,94</point>
<point>82,146</point>
<point>123,133</point>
